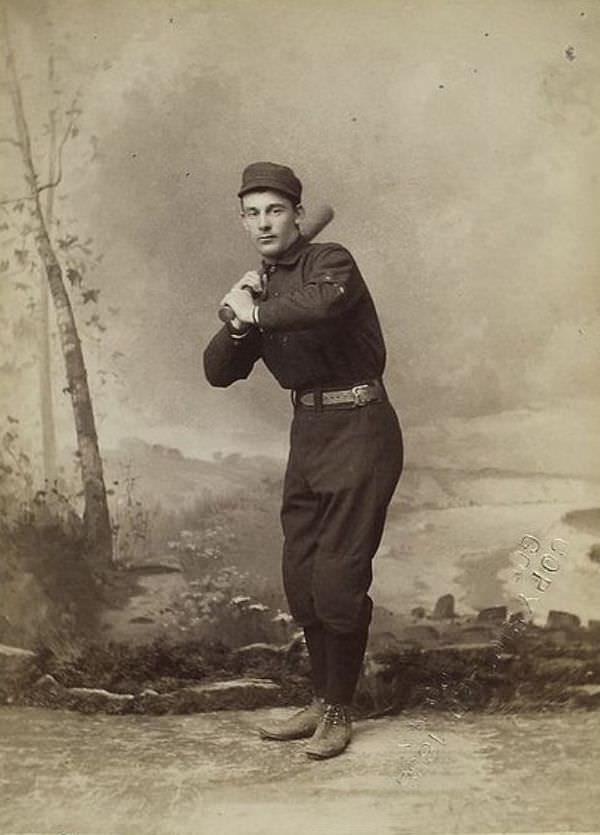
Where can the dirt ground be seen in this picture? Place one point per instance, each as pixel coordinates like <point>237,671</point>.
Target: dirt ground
<point>177,775</point>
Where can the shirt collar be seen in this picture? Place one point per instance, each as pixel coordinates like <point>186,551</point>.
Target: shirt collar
<point>292,253</point>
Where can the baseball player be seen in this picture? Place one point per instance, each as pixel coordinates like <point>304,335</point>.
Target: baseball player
<point>309,316</point>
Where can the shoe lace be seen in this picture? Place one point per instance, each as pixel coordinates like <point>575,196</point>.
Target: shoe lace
<point>335,715</point>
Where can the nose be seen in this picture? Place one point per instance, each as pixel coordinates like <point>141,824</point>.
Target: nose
<point>264,222</point>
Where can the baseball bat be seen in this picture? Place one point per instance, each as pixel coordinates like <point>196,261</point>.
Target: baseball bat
<point>310,228</point>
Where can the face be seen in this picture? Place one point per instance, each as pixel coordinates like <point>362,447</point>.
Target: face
<point>271,221</point>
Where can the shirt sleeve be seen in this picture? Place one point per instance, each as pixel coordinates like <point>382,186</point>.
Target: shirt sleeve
<point>227,359</point>
<point>332,284</point>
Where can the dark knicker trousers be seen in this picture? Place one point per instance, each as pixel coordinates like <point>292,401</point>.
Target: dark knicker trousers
<point>343,467</point>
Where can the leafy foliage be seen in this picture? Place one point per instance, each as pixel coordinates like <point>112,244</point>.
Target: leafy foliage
<point>47,592</point>
<point>118,667</point>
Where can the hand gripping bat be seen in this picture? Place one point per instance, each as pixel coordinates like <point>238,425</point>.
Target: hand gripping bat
<point>310,227</point>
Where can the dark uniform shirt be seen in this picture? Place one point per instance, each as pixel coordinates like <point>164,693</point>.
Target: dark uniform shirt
<point>318,325</point>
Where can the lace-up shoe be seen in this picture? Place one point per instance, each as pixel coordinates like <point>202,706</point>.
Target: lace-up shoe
<point>332,734</point>
<point>299,726</point>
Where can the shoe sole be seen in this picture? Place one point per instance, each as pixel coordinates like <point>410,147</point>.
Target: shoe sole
<point>283,737</point>
<point>314,756</point>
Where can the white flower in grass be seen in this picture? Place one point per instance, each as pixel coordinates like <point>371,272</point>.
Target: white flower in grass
<point>240,600</point>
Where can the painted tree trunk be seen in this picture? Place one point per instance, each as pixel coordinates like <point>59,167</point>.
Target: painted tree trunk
<point>45,386</point>
<point>45,355</point>
<point>98,534</point>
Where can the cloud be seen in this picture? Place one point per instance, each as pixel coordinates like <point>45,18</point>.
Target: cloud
<point>460,167</point>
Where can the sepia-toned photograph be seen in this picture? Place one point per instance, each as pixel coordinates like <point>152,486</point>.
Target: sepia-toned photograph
<point>299,417</point>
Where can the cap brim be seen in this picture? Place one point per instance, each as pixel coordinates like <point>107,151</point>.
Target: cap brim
<point>264,184</point>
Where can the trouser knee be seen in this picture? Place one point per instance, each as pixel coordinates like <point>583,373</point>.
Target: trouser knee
<point>353,617</point>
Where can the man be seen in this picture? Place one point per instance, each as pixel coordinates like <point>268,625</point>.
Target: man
<point>309,316</point>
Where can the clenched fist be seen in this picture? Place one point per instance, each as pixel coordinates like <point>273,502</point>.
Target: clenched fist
<point>251,281</point>
<point>242,304</point>
<point>240,300</point>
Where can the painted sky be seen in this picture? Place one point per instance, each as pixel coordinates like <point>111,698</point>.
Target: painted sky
<point>458,142</point>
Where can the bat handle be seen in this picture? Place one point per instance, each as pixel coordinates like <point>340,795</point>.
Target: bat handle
<point>226,314</point>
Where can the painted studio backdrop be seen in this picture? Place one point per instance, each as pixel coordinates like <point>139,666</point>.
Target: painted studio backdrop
<point>458,144</point>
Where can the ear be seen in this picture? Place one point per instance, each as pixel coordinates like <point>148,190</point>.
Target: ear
<point>300,214</point>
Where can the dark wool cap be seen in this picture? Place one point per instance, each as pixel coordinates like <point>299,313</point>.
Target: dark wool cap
<point>271,176</point>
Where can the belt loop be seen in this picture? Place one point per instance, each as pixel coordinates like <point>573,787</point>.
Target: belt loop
<point>318,400</point>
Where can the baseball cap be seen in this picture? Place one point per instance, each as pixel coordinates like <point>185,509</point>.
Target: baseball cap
<point>270,175</point>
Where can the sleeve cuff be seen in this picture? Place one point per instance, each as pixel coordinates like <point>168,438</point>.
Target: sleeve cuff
<point>241,335</point>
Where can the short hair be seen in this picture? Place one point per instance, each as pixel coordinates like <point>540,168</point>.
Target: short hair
<point>262,190</point>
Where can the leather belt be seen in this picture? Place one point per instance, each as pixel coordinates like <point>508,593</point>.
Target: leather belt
<point>359,395</point>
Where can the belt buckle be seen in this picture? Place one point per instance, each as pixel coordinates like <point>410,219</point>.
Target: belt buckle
<point>360,394</point>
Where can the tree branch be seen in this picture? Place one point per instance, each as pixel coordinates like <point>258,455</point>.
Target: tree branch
<point>61,145</point>
<point>16,200</point>
<point>50,185</point>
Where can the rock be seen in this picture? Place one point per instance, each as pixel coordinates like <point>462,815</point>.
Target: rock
<point>562,620</point>
<point>585,695</point>
<point>260,649</point>
<point>268,659</point>
<point>418,612</point>
<point>94,699</point>
<point>234,694</point>
<point>162,684</point>
<point>444,607</point>
<point>47,688</point>
<point>15,652</point>
<point>153,703</point>
<point>493,614</point>
<point>594,626</point>
<point>239,694</point>
<point>99,691</point>
<point>18,667</point>
<point>165,566</point>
